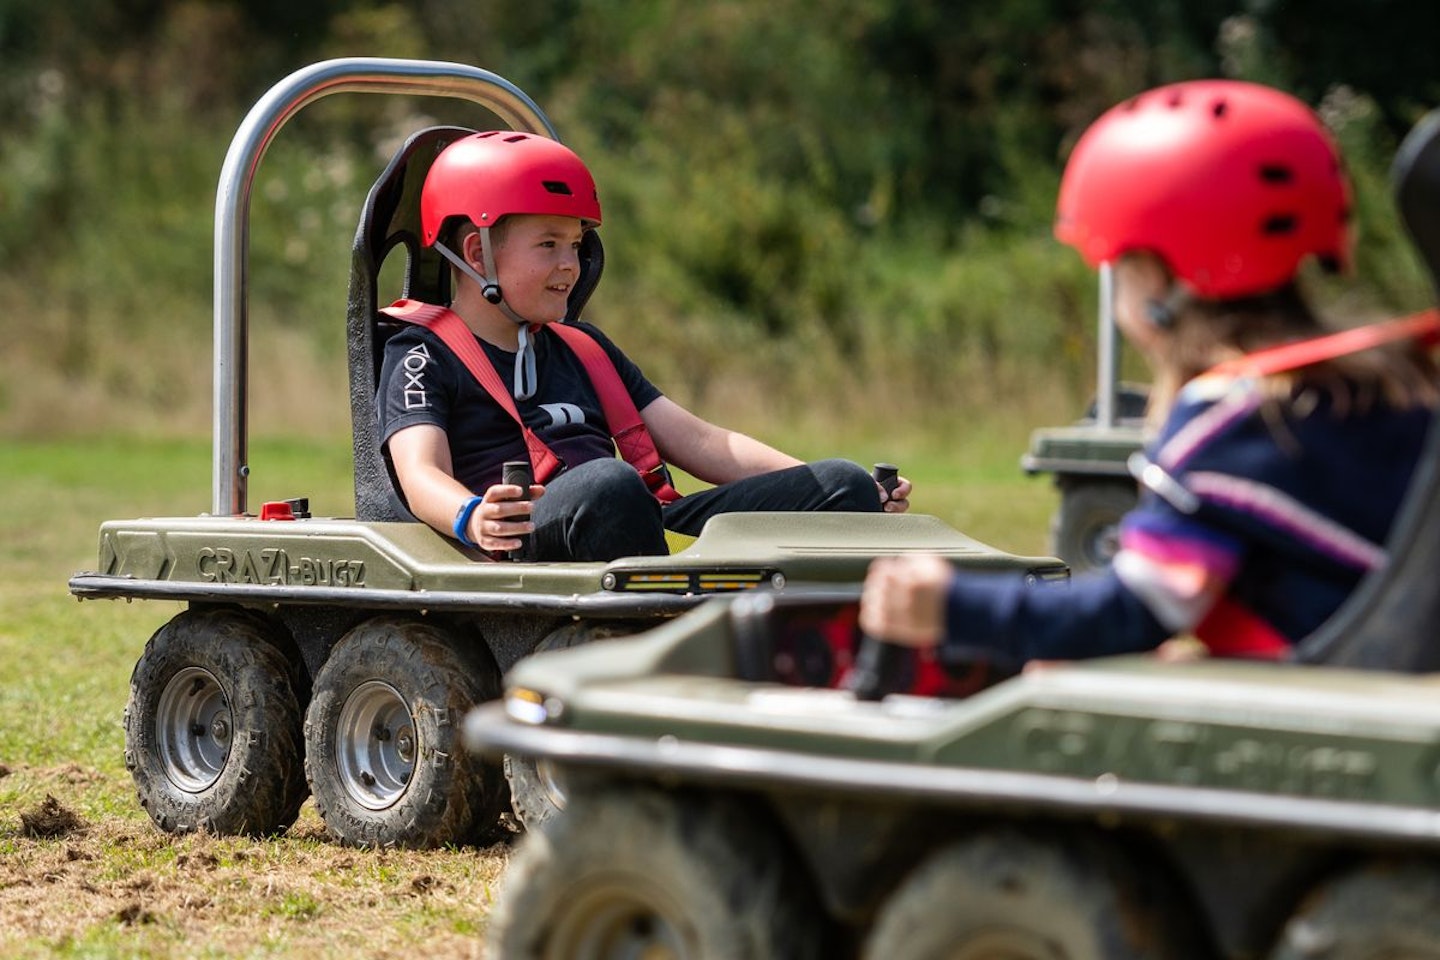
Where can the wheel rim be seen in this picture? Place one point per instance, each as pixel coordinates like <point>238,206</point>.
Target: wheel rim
<point>375,745</point>
<point>550,781</point>
<point>1007,945</point>
<point>1102,543</point>
<point>615,921</point>
<point>194,729</point>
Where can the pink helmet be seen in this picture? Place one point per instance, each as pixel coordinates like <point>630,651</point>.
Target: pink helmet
<point>1232,184</point>
<point>486,176</point>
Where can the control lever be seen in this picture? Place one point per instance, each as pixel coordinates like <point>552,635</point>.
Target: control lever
<point>887,475</point>
<point>878,665</point>
<point>519,473</point>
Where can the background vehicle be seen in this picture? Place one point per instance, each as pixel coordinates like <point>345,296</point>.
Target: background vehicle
<point>335,657</point>
<point>1088,459</point>
<point>722,803</point>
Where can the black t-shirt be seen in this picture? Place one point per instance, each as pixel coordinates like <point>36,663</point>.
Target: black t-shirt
<point>422,381</point>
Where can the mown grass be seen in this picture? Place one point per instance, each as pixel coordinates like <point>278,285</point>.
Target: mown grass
<point>106,884</point>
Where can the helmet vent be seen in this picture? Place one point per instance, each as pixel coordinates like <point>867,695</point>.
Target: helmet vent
<point>1218,109</point>
<point>1276,173</point>
<point>1280,223</point>
<point>557,186</point>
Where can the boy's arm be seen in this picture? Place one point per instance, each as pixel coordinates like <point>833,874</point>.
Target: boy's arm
<point>705,451</point>
<point>421,455</point>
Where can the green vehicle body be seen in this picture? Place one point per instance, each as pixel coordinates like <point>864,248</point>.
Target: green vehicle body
<point>332,572</point>
<point>334,656</point>
<point>1241,788</point>
<point>1122,808</point>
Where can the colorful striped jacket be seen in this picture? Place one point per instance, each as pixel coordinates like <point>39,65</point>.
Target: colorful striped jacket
<point>1257,519</point>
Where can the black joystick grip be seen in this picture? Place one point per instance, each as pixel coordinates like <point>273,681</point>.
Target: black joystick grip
<point>519,473</point>
<point>879,669</point>
<point>887,475</point>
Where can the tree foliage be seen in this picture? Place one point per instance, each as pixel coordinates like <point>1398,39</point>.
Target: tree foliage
<point>798,174</point>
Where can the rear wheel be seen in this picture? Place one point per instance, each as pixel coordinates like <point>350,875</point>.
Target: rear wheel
<point>1000,895</point>
<point>1383,912</point>
<point>212,726</point>
<point>383,752</point>
<point>639,873</point>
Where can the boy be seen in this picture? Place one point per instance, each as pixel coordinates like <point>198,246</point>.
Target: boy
<point>509,211</point>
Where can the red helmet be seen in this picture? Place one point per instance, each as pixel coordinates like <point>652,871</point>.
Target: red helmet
<point>1232,184</point>
<point>486,176</point>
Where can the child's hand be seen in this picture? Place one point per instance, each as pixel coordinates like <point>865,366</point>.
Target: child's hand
<point>502,517</point>
<point>898,501</point>
<point>903,600</point>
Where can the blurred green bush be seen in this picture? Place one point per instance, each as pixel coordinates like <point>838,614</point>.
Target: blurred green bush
<point>830,210</point>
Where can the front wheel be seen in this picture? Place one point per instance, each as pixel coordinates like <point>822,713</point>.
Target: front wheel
<point>635,872</point>
<point>212,726</point>
<point>1382,912</point>
<point>383,752</point>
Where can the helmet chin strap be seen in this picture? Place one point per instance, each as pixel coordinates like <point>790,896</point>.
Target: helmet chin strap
<point>526,380</point>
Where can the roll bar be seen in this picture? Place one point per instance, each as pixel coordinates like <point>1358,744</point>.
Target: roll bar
<point>232,215</point>
<point>1107,353</point>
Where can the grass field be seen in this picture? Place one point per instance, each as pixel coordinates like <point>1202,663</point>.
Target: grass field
<point>82,871</point>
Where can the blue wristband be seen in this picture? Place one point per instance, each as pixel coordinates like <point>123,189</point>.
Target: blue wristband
<point>462,520</point>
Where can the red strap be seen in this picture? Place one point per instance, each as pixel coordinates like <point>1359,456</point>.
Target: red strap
<point>1231,630</point>
<point>628,430</point>
<point>448,326</point>
<point>1423,326</point>
<point>631,437</point>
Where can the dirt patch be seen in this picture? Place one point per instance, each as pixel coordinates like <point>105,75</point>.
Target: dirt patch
<point>296,897</point>
<point>133,913</point>
<point>50,820</point>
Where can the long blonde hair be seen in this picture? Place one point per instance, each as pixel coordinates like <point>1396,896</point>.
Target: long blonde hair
<point>1203,333</point>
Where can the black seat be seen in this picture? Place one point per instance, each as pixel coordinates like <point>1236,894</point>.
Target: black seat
<point>1392,622</point>
<point>390,219</point>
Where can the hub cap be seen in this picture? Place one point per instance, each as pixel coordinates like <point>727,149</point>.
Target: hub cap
<point>612,923</point>
<point>194,729</point>
<point>550,780</point>
<point>1003,944</point>
<point>375,745</point>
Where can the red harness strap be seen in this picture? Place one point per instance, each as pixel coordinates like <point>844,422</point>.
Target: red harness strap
<point>1231,630</point>
<point>1423,326</point>
<point>628,430</point>
<point>448,326</point>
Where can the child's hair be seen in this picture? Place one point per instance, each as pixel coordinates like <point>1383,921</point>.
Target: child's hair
<point>1206,332</point>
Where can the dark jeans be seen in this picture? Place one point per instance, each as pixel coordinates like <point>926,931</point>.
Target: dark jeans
<point>602,510</point>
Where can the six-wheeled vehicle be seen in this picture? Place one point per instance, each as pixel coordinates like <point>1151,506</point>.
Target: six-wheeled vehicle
<point>727,799</point>
<point>335,657</point>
